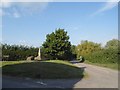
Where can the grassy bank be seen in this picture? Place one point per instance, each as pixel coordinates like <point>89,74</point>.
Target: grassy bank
<point>46,69</point>
<point>107,65</point>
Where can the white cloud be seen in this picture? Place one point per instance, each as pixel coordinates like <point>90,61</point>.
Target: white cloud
<point>5,3</point>
<point>16,15</point>
<point>108,5</point>
<point>32,7</point>
<point>19,9</point>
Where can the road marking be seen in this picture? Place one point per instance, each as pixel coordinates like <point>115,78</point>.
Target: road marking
<point>41,83</point>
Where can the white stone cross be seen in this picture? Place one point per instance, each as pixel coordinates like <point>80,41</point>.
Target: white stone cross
<point>39,53</point>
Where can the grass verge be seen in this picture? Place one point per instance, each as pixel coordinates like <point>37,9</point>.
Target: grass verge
<point>107,65</point>
<point>53,69</point>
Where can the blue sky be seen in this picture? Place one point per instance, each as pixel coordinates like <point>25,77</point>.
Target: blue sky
<point>29,23</point>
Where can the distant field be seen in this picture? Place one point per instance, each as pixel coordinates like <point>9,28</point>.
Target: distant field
<point>46,69</point>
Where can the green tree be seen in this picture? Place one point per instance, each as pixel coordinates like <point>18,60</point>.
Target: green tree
<point>57,45</point>
<point>95,54</point>
<point>113,44</point>
<point>18,52</point>
<point>86,48</point>
<point>73,51</point>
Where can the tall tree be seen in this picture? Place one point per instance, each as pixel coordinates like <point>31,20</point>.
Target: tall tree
<point>113,44</point>
<point>57,45</point>
<point>87,47</point>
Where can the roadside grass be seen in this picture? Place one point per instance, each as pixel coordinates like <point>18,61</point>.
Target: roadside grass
<point>0,63</point>
<point>107,65</point>
<point>52,69</point>
<point>3,63</point>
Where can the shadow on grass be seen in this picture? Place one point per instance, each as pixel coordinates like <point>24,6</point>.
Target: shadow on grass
<point>54,74</point>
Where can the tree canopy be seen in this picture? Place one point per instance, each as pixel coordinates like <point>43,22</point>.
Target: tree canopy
<point>93,52</point>
<point>87,47</point>
<point>114,43</point>
<point>57,45</point>
<point>18,52</point>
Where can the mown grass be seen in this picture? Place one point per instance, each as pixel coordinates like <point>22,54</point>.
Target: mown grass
<point>52,69</point>
<point>107,65</point>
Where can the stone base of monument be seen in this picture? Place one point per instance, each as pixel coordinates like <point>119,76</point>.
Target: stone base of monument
<point>30,58</point>
<point>37,58</point>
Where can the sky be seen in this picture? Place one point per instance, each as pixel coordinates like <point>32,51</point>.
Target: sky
<point>29,23</point>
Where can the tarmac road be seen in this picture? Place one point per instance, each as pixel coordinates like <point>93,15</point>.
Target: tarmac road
<point>99,77</point>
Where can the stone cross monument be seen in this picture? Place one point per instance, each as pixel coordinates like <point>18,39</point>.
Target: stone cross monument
<point>39,55</point>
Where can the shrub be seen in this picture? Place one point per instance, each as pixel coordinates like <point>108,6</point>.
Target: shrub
<point>103,56</point>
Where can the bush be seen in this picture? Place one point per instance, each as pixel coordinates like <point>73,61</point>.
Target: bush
<point>17,52</point>
<point>103,56</point>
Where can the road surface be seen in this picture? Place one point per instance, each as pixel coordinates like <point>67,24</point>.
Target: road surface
<point>98,77</point>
